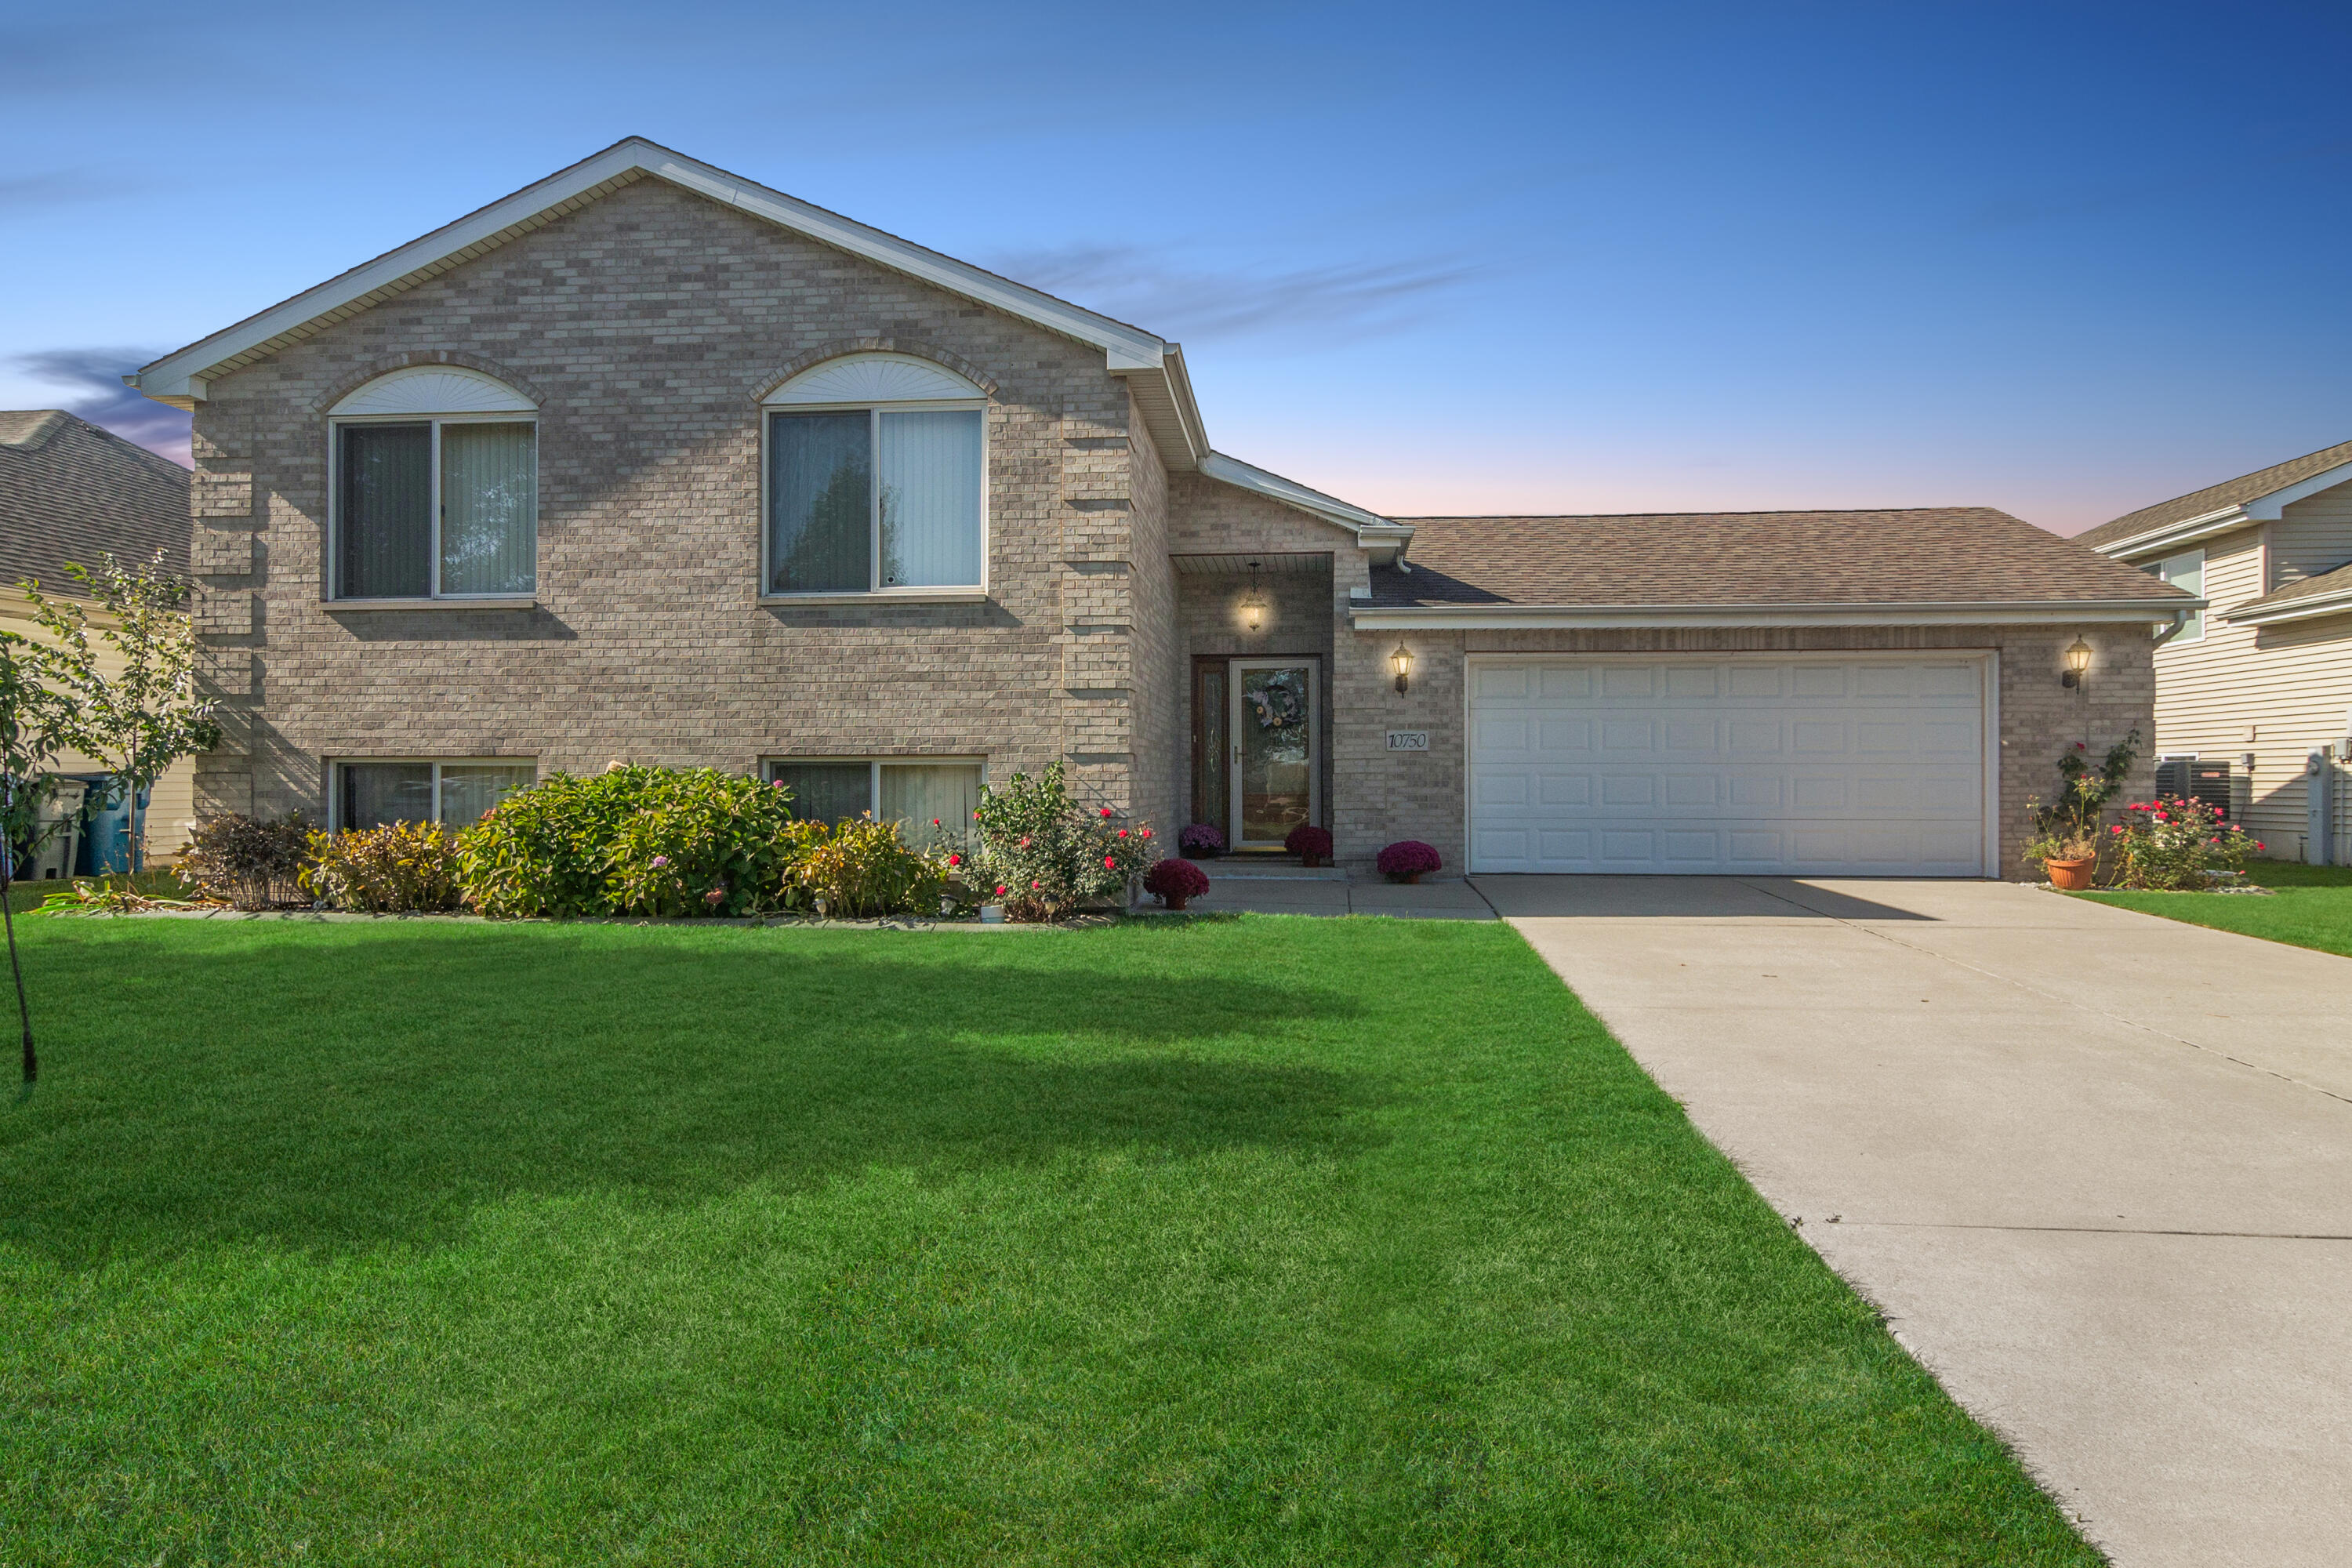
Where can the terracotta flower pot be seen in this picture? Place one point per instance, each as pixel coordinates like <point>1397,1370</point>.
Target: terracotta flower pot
<point>1409,877</point>
<point>1177,901</point>
<point>2072,875</point>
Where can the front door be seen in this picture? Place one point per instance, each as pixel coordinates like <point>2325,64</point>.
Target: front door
<point>1275,768</point>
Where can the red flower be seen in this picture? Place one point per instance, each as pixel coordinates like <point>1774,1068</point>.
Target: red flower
<point>2080,747</point>
<point>1110,864</point>
<point>1147,833</point>
<point>1034,886</point>
<point>2118,827</point>
<point>1000,890</point>
<point>935,822</point>
<point>1122,833</point>
<point>2258,844</point>
<point>955,859</point>
<point>1105,811</point>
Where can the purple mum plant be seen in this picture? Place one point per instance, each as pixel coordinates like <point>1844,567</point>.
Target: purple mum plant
<point>1407,859</point>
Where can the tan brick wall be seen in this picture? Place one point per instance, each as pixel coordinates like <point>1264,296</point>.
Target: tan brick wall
<point>1387,795</point>
<point>648,325</point>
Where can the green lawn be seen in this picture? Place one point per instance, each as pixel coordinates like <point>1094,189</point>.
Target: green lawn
<point>2312,906</point>
<point>1244,1242</point>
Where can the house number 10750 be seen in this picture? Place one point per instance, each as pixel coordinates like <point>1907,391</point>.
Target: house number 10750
<point>1407,740</point>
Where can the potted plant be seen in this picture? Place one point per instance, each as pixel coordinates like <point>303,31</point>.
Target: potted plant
<point>1202,841</point>
<point>1311,844</point>
<point>1407,859</point>
<point>2069,856</point>
<point>1173,882</point>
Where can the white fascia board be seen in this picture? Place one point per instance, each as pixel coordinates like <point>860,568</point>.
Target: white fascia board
<point>2311,608</point>
<point>1628,617</point>
<point>177,377</point>
<point>2266,509</point>
<point>2173,535</point>
<point>1367,527</point>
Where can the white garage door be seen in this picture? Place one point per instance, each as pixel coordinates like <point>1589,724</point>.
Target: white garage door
<point>1850,766</point>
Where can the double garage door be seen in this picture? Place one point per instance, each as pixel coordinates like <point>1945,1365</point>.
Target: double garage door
<point>1850,766</point>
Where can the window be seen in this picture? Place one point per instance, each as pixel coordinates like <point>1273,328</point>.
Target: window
<point>2187,573</point>
<point>913,794</point>
<point>876,476</point>
<point>455,795</point>
<point>435,489</point>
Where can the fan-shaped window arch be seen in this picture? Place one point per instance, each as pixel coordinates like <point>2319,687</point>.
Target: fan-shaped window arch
<point>437,487</point>
<point>877,480</point>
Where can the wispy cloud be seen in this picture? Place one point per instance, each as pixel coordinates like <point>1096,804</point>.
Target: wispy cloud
<point>91,380</point>
<point>1136,285</point>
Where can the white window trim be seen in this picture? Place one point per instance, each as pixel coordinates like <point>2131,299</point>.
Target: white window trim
<point>2158,569</point>
<point>948,593</point>
<point>434,596</point>
<point>335,767</point>
<point>874,767</point>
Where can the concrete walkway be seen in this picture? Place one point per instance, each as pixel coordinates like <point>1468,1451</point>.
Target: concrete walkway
<point>1285,887</point>
<point>2095,1167</point>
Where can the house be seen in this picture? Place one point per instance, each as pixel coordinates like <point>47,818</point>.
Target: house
<point>2253,698</point>
<point>70,492</point>
<point>650,462</point>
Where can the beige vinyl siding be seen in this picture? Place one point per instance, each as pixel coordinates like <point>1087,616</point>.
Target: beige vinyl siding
<point>172,806</point>
<point>2280,692</point>
<point>2312,536</point>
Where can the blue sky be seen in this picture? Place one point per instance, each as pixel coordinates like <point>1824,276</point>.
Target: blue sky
<point>2062,260</point>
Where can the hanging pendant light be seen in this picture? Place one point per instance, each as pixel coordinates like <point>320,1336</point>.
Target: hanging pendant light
<point>1253,604</point>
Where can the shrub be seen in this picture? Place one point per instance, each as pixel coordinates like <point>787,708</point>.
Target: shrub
<point>401,868</point>
<point>1045,856</point>
<point>2173,843</point>
<point>631,840</point>
<point>2068,827</point>
<point>861,869</point>
<point>1175,879</point>
<point>1408,857</point>
<point>1308,842</point>
<point>1202,839</point>
<point>701,842</point>
<point>248,863</point>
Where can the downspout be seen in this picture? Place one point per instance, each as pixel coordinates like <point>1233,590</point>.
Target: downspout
<point>2180,619</point>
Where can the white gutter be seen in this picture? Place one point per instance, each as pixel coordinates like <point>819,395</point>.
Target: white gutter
<point>1386,538</point>
<point>2304,609</point>
<point>2172,535</point>
<point>1616,617</point>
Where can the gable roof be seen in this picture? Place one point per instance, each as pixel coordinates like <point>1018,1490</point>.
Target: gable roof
<point>2218,506</point>
<point>70,490</point>
<point>1154,367</point>
<point>1919,566</point>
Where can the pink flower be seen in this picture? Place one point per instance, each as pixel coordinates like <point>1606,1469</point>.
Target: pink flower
<point>1105,811</point>
<point>660,861</point>
<point>2118,827</point>
<point>955,859</point>
<point>1034,886</point>
<point>1110,864</point>
<point>775,783</point>
<point>1025,843</point>
<point>1000,890</point>
<point>1122,833</point>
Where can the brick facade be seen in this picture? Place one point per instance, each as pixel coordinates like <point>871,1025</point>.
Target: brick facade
<point>647,325</point>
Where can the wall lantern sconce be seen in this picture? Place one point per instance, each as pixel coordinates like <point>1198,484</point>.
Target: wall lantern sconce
<point>1254,603</point>
<point>1402,662</point>
<point>2078,666</point>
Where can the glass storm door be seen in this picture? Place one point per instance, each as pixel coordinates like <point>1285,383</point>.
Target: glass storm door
<point>1275,767</point>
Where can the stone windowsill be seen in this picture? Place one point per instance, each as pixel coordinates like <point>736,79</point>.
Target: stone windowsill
<point>503,601</point>
<point>895,596</point>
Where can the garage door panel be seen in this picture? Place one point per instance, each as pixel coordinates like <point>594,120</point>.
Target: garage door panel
<point>1753,763</point>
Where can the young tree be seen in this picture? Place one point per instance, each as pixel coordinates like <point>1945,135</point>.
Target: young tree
<point>140,721</point>
<point>27,742</point>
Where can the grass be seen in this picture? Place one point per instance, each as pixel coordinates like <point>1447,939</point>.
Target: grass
<point>157,883</point>
<point>2310,906</point>
<point>1249,1242</point>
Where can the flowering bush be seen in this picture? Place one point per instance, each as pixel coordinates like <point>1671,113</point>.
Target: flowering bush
<point>401,867</point>
<point>1175,879</point>
<point>1202,839</point>
<point>860,868</point>
<point>1408,857</point>
<point>1043,856</point>
<point>1309,842</point>
<point>2068,827</point>
<point>2172,843</point>
<point>248,863</point>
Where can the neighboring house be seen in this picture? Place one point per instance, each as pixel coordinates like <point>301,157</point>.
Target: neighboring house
<point>70,492</point>
<point>2254,687</point>
<point>650,462</point>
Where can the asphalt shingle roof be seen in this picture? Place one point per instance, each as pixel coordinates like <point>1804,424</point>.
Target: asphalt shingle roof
<point>2214,497</point>
<point>1925,555</point>
<point>2333,582</point>
<point>70,490</point>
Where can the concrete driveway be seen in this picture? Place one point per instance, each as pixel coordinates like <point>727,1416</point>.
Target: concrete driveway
<point>2094,1166</point>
